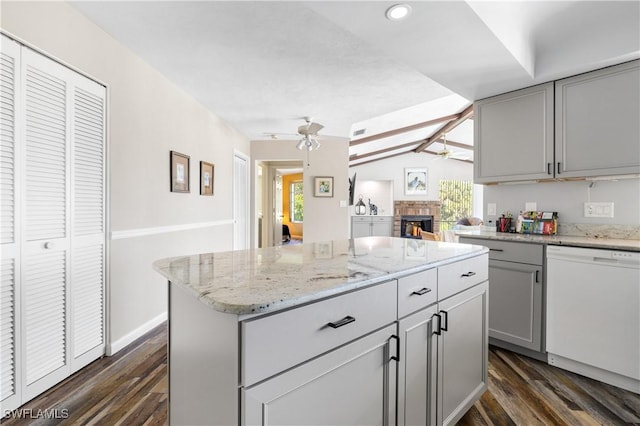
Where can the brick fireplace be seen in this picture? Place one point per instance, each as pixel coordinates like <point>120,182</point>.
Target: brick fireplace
<point>415,208</point>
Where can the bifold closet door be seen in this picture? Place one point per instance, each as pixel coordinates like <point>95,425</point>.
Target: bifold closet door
<point>52,222</point>
<point>10,390</point>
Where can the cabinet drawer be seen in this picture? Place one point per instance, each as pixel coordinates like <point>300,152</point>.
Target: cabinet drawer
<point>275,343</point>
<point>361,219</point>
<point>511,251</point>
<point>417,291</point>
<point>386,219</point>
<point>461,275</point>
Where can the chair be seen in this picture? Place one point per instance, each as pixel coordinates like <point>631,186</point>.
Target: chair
<point>429,235</point>
<point>286,235</point>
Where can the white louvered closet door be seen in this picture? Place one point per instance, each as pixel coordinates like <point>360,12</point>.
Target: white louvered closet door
<point>87,222</point>
<point>10,391</point>
<point>46,216</point>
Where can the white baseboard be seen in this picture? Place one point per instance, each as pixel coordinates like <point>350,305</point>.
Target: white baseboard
<point>114,347</point>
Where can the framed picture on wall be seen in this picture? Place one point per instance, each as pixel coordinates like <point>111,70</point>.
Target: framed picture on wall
<point>179,172</point>
<point>206,178</point>
<point>323,186</point>
<point>415,181</point>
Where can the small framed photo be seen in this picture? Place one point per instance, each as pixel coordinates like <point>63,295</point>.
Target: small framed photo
<point>206,178</point>
<point>179,172</point>
<point>323,186</point>
<point>415,181</point>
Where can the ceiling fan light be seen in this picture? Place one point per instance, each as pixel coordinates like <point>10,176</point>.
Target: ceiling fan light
<point>301,144</point>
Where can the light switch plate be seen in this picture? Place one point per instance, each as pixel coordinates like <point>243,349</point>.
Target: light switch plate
<point>491,209</point>
<point>530,206</point>
<point>343,203</point>
<point>598,210</point>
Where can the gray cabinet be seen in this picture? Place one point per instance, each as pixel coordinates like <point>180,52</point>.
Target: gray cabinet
<point>462,352</point>
<point>597,131</point>
<point>443,347</point>
<point>516,281</point>
<point>514,135</point>
<point>349,386</point>
<point>582,126</point>
<point>371,226</point>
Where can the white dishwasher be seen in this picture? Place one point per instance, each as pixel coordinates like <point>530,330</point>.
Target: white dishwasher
<point>593,313</point>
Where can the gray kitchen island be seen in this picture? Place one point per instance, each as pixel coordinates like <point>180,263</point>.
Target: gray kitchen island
<point>367,331</point>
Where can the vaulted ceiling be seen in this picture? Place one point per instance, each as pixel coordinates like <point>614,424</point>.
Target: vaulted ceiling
<point>263,65</point>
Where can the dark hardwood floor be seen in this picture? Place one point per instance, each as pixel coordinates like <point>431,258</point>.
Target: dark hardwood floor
<point>130,388</point>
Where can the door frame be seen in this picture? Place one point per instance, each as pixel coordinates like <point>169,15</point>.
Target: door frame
<point>247,214</point>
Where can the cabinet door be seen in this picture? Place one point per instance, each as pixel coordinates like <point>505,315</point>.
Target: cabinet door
<point>360,227</point>
<point>515,308</point>
<point>597,130</point>
<point>9,228</point>
<point>514,136</point>
<point>462,352</point>
<point>381,227</point>
<point>46,236</point>
<point>417,369</point>
<point>352,385</point>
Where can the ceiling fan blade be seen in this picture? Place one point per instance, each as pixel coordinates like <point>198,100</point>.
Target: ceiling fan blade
<point>310,128</point>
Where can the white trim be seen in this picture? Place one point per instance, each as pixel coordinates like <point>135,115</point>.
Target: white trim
<point>141,232</point>
<point>114,347</point>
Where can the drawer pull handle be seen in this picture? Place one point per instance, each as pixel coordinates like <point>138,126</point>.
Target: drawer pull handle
<point>496,249</point>
<point>420,292</point>
<point>344,321</point>
<point>548,168</point>
<point>468,274</point>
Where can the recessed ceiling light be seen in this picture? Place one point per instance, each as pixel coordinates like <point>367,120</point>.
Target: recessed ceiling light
<point>398,12</point>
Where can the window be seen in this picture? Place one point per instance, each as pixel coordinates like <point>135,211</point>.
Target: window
<point>456,198</point>
<point>296,197</point>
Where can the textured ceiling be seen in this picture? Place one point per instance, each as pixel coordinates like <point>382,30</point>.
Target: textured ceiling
<point>263,65</point>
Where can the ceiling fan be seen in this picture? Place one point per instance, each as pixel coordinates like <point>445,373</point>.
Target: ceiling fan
<point>445,153</point>
<point>309,133</point>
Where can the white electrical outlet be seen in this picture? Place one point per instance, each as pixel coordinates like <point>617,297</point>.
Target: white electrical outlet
<point>598,209</point>
<point>491,209</point>
<point>530,206</point>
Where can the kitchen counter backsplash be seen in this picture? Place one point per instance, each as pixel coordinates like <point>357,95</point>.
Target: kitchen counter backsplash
<point>620,232</point>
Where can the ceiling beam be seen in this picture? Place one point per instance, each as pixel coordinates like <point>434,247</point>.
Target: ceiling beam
<point>394,132</point>
<point>382,151</point>
<point>403,153</point>
<point>467,113</point>
<point>456,144</point>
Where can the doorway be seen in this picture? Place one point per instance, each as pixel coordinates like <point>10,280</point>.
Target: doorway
<point>280,212</point>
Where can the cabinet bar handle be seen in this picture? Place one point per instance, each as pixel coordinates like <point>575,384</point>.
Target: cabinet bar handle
<point>537,273</point>
<point>420,292</point>
<point>397,355</point>
<point>445,326</point>
<point>548,168</point>
<point>438,330</point>
<point>468,274</point>
<point>344,321</point>
<point>496,249</point>
<point>558,167</point>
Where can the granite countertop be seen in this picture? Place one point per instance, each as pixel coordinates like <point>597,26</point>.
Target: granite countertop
<point>558,240</point>
<point>273,278</point>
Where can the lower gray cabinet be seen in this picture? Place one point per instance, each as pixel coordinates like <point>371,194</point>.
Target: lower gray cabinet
<point>352,385</point>
<point>443,359</point>
<point>371,226</point>
<point>516,282</point>
<point>418,368</point>
<point>515,315</point>
<point>462,352</point>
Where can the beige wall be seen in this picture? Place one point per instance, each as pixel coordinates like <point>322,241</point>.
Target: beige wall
<point>324,218</point>
<point>147,117</point>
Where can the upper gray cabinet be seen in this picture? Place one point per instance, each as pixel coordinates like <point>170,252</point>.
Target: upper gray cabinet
<point>596,131</point>
<point>513,135</point>
<point>597,122</point>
